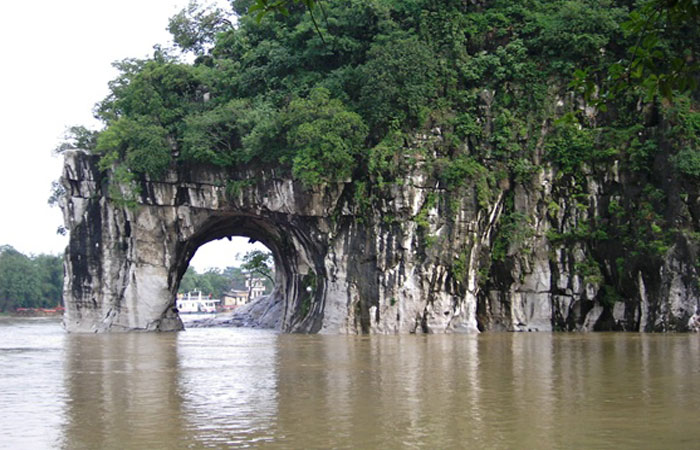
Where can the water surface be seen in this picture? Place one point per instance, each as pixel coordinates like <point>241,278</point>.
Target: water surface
<point>229,387</point>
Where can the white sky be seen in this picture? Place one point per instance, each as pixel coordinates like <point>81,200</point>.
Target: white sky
<point>57,57</point>
<point>223,253</point>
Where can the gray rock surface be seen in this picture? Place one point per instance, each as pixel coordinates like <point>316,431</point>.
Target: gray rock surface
<point>416,261</point>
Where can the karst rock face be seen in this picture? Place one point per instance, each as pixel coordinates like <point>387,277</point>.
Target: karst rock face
<point>414,259</point>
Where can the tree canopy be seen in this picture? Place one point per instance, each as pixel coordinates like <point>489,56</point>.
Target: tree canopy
<point>258,263</point>
<point>288,87</point>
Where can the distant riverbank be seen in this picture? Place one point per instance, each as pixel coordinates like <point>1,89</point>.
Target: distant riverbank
<point>36,312</point>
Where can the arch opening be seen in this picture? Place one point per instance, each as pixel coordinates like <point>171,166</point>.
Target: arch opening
<point>293,300</point>
<point>222,276</point>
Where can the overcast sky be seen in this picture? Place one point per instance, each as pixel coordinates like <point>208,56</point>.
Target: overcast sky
<point>57,59</point>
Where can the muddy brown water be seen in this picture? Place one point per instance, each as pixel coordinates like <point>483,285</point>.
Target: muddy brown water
<point>233,388</point>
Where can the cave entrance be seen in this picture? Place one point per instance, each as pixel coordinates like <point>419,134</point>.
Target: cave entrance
<point>287,296</point>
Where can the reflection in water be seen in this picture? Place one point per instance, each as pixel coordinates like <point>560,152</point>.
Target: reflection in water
<point>31,385</point>
<point>489,391</point>
<point>145,390</point>
<point>122,391</point>
<point>247,388</point>
<point>228,381</point>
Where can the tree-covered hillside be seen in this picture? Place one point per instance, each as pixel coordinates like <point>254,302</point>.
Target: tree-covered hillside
<point>336,91</point>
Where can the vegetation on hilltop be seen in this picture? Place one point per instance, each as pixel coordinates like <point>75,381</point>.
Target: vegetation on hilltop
<point>324,97</point>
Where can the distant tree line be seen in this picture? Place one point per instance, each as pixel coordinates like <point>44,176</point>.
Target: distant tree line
<point>29,281</point>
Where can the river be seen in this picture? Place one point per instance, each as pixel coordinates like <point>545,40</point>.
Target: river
<point>231,387</point>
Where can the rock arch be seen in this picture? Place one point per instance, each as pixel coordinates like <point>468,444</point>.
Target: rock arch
<point>124,263</point>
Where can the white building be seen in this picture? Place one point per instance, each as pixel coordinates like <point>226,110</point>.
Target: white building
<point>256,287</point>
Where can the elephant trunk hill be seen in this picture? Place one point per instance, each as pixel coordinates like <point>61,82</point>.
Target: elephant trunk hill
<point>413,166</point>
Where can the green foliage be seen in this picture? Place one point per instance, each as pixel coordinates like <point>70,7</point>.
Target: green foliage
<point>160,89</point>
<point>570,145</point>
<point>235,187</point>
<point>576,31</point>
<point>123,188</point>
<point>141,144</point>
<point>581,233</point>
<point>660,59</point>
<point>212,282</point>
<point>325,137</point>
<point>687,161</point>
<point>195,28</point>
<point>264,7</point>
<point>664,57</point>
<point>421,219</point>
<point>383,158</point>
<point>397,82</point>
<point>29,282</point>
<point>324,98</point>
<point>460,266</point>
<point>338,92</point>
<point>144,113</point>
<point>589,270</point>
<point>685,134</point>
<point>362,198</point>
<point>464,170</point>
<point>215,136</point>
<point>78,137</point>
<point>505,63</point>
<point>216,282</point>
<point>514,229</point>
<point>259,263</point>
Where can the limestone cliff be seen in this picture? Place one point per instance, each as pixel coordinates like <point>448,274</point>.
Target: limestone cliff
<point>417,259</point>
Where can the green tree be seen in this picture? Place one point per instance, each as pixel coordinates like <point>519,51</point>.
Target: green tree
<point>325,137</point>
<point>259,263</point>
<point>50,274</point>
<point>194,29</point>
<point>78,137</point>
<point>217,282</point>
<point>237,277</point>
<point>29,282</point>
<point>661,59</point>
<point>398,82</point>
